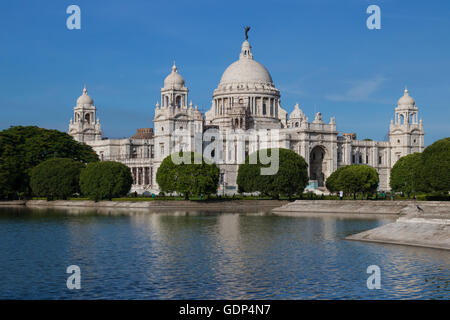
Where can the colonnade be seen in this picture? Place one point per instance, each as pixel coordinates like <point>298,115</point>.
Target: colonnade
<point>142,175</point>
<point>258,105</point>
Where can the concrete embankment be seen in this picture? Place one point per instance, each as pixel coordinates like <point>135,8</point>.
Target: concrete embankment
<point>423,224</point>
<point>359,207</point>
<point>12,203</point>
<point>424,231</point>
<point>161,205</point>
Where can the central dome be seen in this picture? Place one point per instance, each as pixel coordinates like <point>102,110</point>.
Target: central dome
<point>246,70</point>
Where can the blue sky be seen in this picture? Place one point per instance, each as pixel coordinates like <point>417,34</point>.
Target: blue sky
<point>319,53</point>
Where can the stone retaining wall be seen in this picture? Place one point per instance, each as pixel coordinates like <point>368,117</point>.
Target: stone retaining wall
<point>300,207</point>
<point>226,205</point>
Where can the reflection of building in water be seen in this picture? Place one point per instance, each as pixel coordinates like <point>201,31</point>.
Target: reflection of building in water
<point>246,98</point>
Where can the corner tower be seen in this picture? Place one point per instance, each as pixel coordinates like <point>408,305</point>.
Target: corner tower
<point>85,126</point>
<point>175,118</point>
<point>406,131</point>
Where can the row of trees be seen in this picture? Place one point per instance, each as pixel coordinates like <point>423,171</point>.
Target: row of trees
<point>23,148</point>
<point>49,163</point>
<point>60,178</point>
<point>428,171</point>
<point>203,178</point>
<point>289,180</point>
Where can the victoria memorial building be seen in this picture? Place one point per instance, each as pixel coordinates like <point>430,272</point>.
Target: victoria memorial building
<point>245,101</point>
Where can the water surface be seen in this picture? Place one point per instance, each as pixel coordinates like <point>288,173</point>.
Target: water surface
<point>127,254</point>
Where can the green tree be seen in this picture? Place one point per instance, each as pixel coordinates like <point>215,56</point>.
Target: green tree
<point>406,174</point>
<point>357,179</point>
<point>333,183</point>
<point>11,167</point>
<point>290,179</point>
<point>56,178</point>
<point>23,148</point>
<point>105,180</point>
<point>195,175</point>
<point>436,165</point>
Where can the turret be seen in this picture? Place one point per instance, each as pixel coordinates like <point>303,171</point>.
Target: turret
<point>406,131</point>
<point>85,126</point>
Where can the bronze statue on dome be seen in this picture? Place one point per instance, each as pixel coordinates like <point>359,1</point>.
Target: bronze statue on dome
<point>247,29</point>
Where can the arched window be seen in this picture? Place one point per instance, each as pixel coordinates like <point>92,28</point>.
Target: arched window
<point>167,101</point>
<point>296,124</point>
<point>264,109</point>
<point>178,101</point>
<point>402,119</point>
<point>87,117</point>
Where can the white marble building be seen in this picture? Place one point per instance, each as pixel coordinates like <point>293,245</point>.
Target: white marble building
<point>245,100</point>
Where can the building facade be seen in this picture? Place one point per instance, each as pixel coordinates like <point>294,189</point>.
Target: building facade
<point>246,107</point>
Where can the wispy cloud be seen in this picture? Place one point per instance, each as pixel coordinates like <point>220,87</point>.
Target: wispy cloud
<point>360,90</point>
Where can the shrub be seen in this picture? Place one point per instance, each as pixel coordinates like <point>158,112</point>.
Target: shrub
<point>290,179</point>
<point>56,178</point>
<point>105,180</point>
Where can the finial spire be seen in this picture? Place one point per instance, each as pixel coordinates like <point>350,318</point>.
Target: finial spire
<point>174,67</point>
<point>84,89</point>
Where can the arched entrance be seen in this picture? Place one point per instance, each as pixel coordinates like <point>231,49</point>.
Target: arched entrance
<point>316,165</point>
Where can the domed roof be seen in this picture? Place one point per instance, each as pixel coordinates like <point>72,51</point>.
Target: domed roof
<point>246,70</point>
<point>406,99</point>
<point>174,79</point>
<point>85,98</point>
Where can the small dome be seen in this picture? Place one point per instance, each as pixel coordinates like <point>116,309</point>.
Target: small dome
<point>174,79</point>
<point>406,99</point>
<point>85,98</point>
